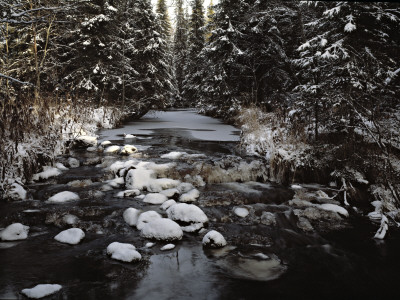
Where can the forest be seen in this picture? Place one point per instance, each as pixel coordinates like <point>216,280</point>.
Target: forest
<point>314,85</point>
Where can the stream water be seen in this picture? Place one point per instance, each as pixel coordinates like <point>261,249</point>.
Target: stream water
<point>266,257</point>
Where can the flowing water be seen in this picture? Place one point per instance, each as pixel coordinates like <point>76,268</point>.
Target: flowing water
<point>265,258</point>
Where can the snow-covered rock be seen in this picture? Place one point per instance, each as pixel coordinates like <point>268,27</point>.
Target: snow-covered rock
<point>241,212</point>
<point>167,204</point>
<point>14,232</point>
<point>189,213</point>
<point>70,219</point>
<point>123,252</point>
<point>167,247</point>
<point>190,196</point>
<point>296,187</point>
<point>131,216</point>
<point>149,245</point>
<point>335,208</point>
<point>128,193</point>
<point>214,239</point>
<point>185,187</point>
<point>73,162</point>
<point>173,155</point>
<point>16,192</point>
<point>128,149</point>
<point>46,174</point>
<point>70,236</point>
<point>160,184</point>
<point>147,217</point>
<point>170,193</point>
<point>192,227</point>
<point>129,136</point>
<point>116,182</point>
<point>139,178</point>
<point>155,198</point>
<point>61,167</point>
<point>63,197</point>
<point>87,140</point>
<point>162,229</point>
<point>112,149</point>
<point>41,290</point>
<point>105,143</point>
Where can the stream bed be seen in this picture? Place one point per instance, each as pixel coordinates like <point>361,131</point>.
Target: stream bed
<point>278,246</point>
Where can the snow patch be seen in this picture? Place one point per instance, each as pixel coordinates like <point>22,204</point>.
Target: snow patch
<point>214,239</point>
<point>14,232</point>
<point>123,252</point>
<point>167,247</point>
<point>41,290</point>
<point>70,236</point>
<point>46,174</point>
<point>189,213</point>
<point>162,229</point>
<point>131,216</point>
<point>63,197</point>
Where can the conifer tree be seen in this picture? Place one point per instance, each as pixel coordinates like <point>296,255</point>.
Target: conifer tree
<point>196,43</point>
<point>163,16</point>
<point>180,51</point>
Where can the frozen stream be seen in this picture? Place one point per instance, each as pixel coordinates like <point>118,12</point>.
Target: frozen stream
<point>276,248</point>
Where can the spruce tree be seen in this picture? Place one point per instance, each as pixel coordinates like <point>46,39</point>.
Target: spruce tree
<point>196,43</point>
<point>180,51</point>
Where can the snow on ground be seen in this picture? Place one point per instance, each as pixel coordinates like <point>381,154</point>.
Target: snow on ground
<point>123,252</point>
<point>46,174</point>
<point>190,196</point>
<point>63,197</point>
<point>70,236</point>
<point>155,198</point>
<point>167,204</point>
<point>41,290</point>
<point>147,217</point>
<point>189,213</point>
<point>162,229</point>
<point>241,212</point>
<point>14,232</point>
<point>214,239</point>
<point>131,216</point>
<point>167,247</point>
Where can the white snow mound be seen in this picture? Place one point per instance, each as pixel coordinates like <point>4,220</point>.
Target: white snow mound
<point>170,192</point>
<point>64,197</point>
<point>335,208</point>
<point>190,196</point>
<point>185,187</point>
<point>131,216</point>
<point>189,213</point>
<point>112,149</point>
<point>214,239</point>
<point>167,204</point>
<point>14,232</point>
<point>47,173</point>
<point>147,217</point>
<point>241,212</point>
<point>123,252</point>
<point>167,247</point>
<point>162,229</point>
<point>41,290</point>
<point>128,149</point>
<point>155,198</point>
<point>70,236</point>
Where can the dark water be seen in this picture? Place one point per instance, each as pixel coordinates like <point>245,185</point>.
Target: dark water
<point>331,264</point>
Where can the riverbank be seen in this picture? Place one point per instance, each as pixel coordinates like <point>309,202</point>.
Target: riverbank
<point>50,131</point>
<point>361,173</point>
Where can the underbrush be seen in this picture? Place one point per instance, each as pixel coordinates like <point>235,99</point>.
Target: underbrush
<point>33,134</point>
